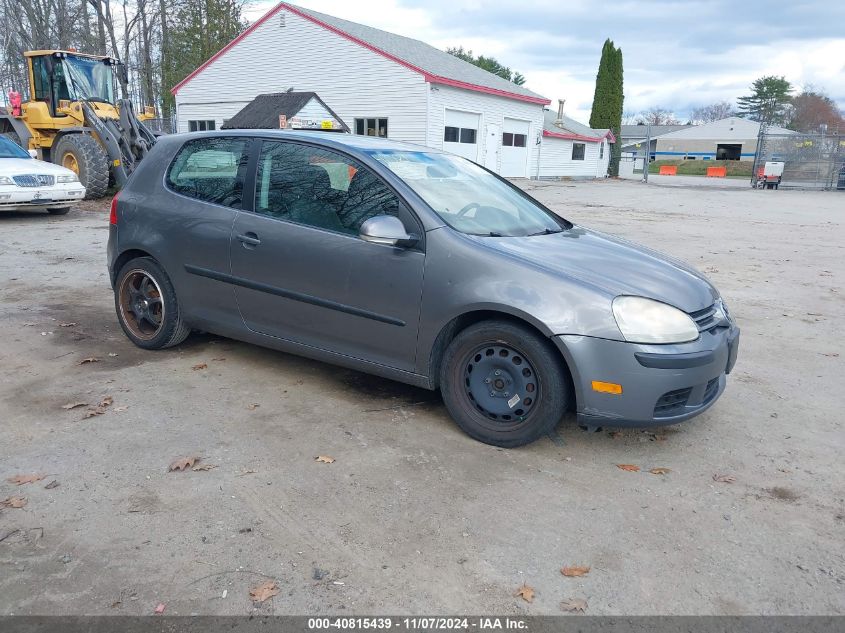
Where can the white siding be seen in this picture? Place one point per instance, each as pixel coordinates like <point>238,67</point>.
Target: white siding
<point>353,81</point>
<point>556,159</point>
<point>492,109</point>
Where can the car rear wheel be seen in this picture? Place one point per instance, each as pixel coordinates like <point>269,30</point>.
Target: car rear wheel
<point>504,384</point>
<point>146,305</point>
<point>59,211</point>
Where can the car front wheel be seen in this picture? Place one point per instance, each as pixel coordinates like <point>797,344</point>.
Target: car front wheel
<point>146,305</point>
<point>504,384</point>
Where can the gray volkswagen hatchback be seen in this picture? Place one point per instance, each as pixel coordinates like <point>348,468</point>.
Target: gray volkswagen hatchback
<point>418,266</point>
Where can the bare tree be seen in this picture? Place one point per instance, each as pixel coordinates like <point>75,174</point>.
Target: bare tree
<point>713,112</point>
<point>657,115</point>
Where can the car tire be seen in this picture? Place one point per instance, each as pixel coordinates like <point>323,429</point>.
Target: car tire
<point>59,211</point>
<point>504,384</point>
<point>84,155</point>
<point>146,305</point>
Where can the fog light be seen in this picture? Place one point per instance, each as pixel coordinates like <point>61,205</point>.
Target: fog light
<point>607,387</point>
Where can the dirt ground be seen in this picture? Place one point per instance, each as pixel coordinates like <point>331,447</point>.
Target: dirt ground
<point>413,516</point>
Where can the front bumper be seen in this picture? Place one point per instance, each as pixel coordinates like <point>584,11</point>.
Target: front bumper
<point>19,198</point>
<point>661,384</point>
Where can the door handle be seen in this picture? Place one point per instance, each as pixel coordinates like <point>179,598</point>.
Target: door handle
<point>249,239</point>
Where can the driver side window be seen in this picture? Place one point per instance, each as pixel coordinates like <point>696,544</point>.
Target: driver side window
<point>319,188</point>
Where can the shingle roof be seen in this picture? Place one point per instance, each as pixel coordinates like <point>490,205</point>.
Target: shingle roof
<point>423,56</point>
<point>263,111</point>
<point>572,127</point>
<point>437,66</point>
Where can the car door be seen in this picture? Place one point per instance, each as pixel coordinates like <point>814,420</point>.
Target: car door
<point>195,226</point>
<point>303,274</point>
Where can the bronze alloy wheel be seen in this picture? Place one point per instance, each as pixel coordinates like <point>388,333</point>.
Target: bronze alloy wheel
<point>141,305</point>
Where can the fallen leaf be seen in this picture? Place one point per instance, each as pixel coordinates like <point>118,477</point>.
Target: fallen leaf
<point>659,471</point>
<point>13,502</point>
<point>100,409</point>
<point>25,479</point>
<point>525,592</point>
<point>573,604</point>
<point>90,413</point>
<point>629,467</point>
<point>74,405</point>
<point>51,485</point>
<point>160,608</point>
<point>253,406</point>
<point>66,324</point>
<point>203,467</point>
<point>92,359</point>
<point>219,360</point>
<point>183,463</point>
<point>247,472</point>
<point>120,409</point>
<point>324,458</point>
<point>724,479</point>
<point>199,366</point>
<point>575,571</point>
<point>264,591</point>
<point>106,402</point>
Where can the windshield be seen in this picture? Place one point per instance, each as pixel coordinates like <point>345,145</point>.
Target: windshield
<point>9,149</point>
<point>468,198</point>
<point>87,79</point>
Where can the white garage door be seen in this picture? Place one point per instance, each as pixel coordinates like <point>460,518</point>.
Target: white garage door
<point>460,134</point>
<point>515,148</point>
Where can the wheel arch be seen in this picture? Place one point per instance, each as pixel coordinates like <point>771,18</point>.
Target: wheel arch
<point>126,256</point>
<point>461,322</point>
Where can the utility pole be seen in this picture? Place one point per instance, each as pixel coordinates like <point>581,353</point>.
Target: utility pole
<point>647,158</point>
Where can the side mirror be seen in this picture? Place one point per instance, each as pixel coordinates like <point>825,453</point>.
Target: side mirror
<point>386,229</point>
<point>33,153</point>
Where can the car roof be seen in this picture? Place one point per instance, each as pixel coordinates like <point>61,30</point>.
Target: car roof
<point>328,139</point>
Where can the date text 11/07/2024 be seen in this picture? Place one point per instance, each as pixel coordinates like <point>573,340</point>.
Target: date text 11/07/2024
<point>418,624</point>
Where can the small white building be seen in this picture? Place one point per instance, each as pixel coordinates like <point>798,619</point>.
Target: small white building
<point>572,150</point>
<point>379,83</point>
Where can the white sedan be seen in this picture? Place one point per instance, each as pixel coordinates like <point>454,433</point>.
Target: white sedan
<point>27,183</point>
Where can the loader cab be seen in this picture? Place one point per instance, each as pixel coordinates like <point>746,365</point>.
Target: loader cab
<point>64,76</point>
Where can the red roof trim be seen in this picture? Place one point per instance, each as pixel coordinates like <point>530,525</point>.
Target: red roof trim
<point>428,76</point>
<point>578,137</point>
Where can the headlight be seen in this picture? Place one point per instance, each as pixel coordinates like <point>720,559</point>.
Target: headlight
<point>5,180</point>
<point>68,178</point>
<point>644,320</point>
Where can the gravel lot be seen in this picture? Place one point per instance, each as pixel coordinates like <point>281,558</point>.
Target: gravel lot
<point>413,516</point>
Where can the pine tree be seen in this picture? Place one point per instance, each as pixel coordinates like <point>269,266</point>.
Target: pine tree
<point>768,102</point>
<point>608,99</point>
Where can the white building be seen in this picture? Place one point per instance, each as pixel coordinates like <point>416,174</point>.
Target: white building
<point>379,83</point>
<point>570,149</point>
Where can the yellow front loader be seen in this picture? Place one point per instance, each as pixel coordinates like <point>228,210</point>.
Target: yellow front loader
<point>73,119</point>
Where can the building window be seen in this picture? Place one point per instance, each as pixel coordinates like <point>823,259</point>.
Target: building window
<point>510,139</point>
<point>459,135</point>
<point>201,126</point>
<point>601,150</point>
<point>578,150</point>
<point>371,127</point>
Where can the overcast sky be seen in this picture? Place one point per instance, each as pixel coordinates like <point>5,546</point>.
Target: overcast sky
<point>677,54</point>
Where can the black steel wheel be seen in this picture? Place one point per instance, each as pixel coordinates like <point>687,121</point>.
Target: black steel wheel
<point>504,384</point>
<point>146,305</point>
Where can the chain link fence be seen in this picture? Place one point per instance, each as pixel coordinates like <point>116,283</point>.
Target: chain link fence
<point>811,161</point>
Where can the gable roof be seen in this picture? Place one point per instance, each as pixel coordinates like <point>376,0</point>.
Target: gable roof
<point>717,129</point>
<point>639,131</point>
<point>263,111</point>
<point>573,130</point>
<point>436,66</point>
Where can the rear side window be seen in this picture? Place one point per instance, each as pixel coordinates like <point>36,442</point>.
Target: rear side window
<point>211,170</point>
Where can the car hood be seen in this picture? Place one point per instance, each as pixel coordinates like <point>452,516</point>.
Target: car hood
<point>612,264</point>
<point>21,166</point>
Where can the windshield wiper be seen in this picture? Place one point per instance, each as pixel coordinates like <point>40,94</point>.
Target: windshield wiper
<point>546,231</point>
